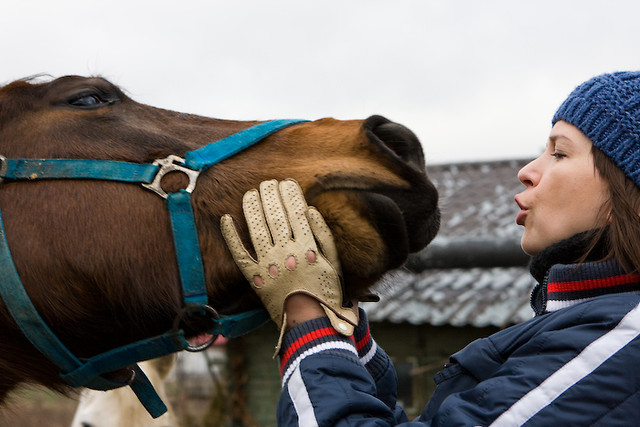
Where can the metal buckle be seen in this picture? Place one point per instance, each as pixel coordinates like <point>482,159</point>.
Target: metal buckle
<point>169,164</point>
<point>199,310</point>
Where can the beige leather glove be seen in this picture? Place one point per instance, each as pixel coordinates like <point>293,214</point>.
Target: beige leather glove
<point>283,230</point>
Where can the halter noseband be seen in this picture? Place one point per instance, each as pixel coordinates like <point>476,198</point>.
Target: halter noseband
<point>90,372</point>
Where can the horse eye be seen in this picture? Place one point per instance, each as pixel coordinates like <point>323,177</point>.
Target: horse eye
<point>86,101</point>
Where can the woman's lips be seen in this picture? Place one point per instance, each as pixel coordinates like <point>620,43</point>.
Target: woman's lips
<point>522,214</point>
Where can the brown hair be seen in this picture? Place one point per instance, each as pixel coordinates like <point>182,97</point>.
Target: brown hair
<point>621,212</point>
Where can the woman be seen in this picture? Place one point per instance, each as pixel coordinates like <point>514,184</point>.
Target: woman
<point>575,363</point>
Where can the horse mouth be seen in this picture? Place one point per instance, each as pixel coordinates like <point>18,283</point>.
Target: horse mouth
<point>406,220</point>
<point>418,224</point>
<point>405,225</point>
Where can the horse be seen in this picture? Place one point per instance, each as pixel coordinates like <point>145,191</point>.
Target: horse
<point>119,407</point>
<point>97,258</point>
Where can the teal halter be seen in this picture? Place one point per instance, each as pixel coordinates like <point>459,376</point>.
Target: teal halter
<point>90,372</point>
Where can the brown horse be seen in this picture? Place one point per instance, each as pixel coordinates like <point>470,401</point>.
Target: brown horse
<point>97,257</point>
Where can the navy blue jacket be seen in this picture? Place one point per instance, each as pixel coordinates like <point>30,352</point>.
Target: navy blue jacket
<point>578,365</point>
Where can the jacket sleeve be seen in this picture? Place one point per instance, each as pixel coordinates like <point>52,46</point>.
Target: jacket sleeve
<point>379,366</point>
<point>332,380</point>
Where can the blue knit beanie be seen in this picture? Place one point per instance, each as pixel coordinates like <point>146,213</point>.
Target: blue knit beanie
<point>606,109</point>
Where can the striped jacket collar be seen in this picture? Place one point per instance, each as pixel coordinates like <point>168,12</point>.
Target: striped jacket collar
<point>568,284</point>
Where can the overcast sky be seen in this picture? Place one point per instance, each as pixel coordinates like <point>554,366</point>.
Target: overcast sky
<point>475,80</point>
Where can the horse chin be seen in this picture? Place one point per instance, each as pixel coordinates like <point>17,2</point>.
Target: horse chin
<point>387,218</point>
<point>373,234</point>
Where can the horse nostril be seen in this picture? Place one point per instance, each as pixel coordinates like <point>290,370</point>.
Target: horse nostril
<point>399,139</point>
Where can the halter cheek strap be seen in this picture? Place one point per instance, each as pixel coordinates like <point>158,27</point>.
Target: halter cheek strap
<point>90,372</point>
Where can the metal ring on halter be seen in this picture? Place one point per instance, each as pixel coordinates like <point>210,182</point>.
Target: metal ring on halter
<point>171,164</point>
<point>115,376</point>
<point>200,310</point>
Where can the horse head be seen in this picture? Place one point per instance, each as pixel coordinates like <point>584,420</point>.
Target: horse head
<point>97,258</point>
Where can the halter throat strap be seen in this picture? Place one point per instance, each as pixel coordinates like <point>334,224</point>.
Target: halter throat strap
<point>90,372</point>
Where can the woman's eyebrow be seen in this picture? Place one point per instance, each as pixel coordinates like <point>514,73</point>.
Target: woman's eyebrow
<point>553,139</point>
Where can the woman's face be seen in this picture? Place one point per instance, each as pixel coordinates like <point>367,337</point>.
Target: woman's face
<point>564,192</point>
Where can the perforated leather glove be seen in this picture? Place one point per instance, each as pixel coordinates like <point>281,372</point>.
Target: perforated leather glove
<point>284,231</point>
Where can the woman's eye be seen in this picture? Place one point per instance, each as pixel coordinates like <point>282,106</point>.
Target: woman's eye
<point>86,101</point>
<point>558,155</point>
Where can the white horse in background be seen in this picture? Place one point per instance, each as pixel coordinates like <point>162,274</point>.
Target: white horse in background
<point>120,407</point>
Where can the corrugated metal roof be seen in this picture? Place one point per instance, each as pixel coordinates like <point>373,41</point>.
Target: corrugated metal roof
<point>476,200</point>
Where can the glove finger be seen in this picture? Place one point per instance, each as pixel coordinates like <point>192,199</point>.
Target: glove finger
<point>274,212</point>
<point>296,207</point>
<point>242,258</point>
<point>324,237</point>
<point>254,215</point>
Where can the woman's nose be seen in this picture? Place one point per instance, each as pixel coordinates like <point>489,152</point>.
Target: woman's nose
<point>529,175</point>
